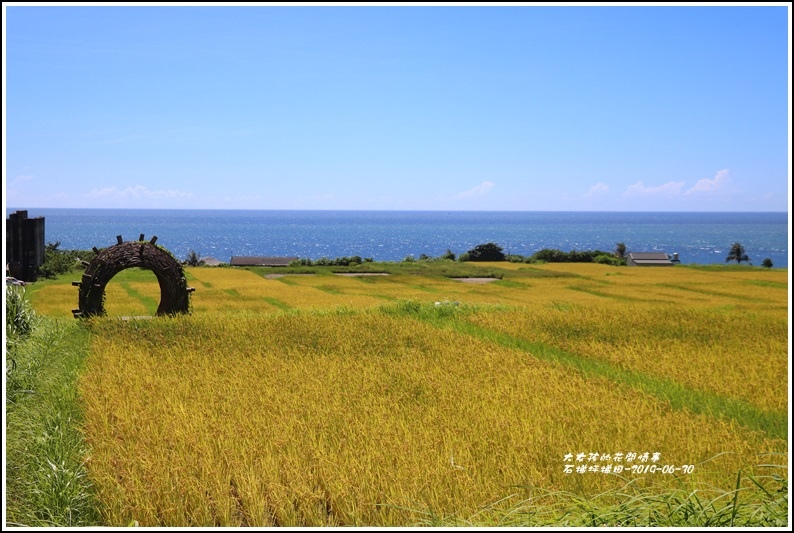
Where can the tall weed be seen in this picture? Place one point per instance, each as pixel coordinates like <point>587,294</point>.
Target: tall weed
<point>46,482</point>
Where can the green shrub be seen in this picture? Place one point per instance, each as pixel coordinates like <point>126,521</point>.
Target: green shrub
<point>609,259</point>
<point>57,262</point>
<point>339,261</point>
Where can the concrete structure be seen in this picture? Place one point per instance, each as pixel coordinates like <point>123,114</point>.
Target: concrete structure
<point>211,261</point>
<point>650,259</point>
<point>24,245</point>
<point>241,260</point>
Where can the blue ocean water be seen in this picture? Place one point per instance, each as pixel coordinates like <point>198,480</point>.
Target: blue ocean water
<point>702,238</point>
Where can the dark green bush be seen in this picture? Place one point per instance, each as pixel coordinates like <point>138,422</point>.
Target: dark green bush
<point>574,256</point>
<point>484,252</point>
<point>339,261</point>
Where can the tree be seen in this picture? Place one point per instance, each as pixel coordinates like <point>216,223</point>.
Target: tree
<point>194,259</point>
<point>486,252</point>
<point>737,254</point>
<point>620,250</point>
<point>766,263</point>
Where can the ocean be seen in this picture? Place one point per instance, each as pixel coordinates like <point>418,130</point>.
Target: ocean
<point>700,238</point>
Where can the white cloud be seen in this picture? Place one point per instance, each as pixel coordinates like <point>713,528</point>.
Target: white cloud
<point>15,191</point>
<point>709,185</point>
<point>102,193</point>
<point>19,179</point>
<point>137,192</point>
<point>597,190</point>
<point>479,190</point>
<point>670,188</point>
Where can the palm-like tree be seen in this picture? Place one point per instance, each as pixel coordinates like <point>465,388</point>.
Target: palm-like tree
<point>737,254</point>
<point>194,259</point>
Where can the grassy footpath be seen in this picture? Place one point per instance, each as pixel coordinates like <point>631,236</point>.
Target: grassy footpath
<point>46,483</point>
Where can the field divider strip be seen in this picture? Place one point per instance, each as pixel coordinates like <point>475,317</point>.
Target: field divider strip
<point>275,302</point>
<point>148,302</point>
<point>600,294</point>
<point>742,297</point>
<point>774,424</point>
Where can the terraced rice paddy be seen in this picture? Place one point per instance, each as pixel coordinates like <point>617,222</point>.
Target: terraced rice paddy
<point>413,398</point>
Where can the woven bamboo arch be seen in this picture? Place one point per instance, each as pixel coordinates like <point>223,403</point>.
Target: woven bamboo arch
<point>174,292</point>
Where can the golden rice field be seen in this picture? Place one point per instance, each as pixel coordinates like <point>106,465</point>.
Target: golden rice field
<point>403,399</point>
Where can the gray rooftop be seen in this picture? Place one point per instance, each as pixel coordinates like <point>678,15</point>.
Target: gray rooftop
<point>649,258</point>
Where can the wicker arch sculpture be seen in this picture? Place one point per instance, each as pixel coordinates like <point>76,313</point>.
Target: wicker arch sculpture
<point>174,292</point>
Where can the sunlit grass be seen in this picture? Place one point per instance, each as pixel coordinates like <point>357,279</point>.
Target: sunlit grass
<point>414,398</point>
<point>352,418</point>
<point>742,355</point>
<point>221,290</point>
<point>55,300</point>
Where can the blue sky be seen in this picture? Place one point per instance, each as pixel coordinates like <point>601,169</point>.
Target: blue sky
<point>527,108</point>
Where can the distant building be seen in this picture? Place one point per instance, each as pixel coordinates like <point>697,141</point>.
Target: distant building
<point>24,245</point>
<point>242,260</point>
<point>651,259</point>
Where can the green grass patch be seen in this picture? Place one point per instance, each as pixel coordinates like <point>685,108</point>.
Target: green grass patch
<point>744,297</point>
<point>135,275</point>
<point>724,268</point>
<point>423,288</point>
<point>329,289</point>
<point>148,302</point>
<point>532,272</point>
<point>588,290</point>
<point>275,302</point>
<point>509,284</point>
<point>764,283</point>
<point>46,483</point>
